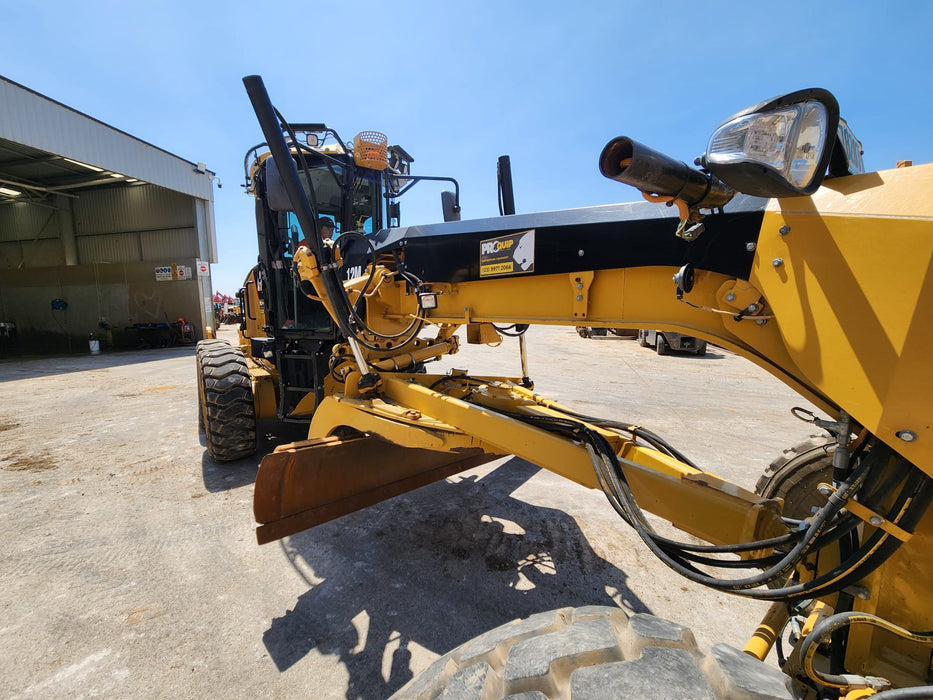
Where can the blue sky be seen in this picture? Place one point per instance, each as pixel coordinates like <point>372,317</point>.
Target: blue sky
<point>458,84</point>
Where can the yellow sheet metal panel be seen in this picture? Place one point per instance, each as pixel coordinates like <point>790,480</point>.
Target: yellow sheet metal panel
<point>850,281</point>
<point>265,398</point>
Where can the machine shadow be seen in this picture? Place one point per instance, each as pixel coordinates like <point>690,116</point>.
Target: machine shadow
<point>435,568</point>
<point>224,476</point>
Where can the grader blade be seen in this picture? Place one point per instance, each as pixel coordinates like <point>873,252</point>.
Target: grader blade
<point>307,483</point>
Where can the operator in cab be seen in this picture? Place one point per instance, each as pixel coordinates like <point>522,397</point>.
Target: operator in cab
<point>326,226</point>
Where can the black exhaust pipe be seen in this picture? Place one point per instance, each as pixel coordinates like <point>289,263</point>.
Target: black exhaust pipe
<point>506,193</point>
<point>653,172</point>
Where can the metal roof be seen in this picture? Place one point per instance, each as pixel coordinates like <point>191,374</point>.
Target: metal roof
<point>49,148</point>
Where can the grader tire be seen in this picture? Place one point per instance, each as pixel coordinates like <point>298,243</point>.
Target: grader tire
<point>594,652</point>
<point>225,399</point>
<point>795,475</point>
<point>202,347</point>
<point>661,346</point>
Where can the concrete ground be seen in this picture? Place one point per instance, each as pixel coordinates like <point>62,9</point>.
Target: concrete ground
<point>130,568</point>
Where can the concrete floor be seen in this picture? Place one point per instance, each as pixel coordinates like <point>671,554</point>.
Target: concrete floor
<point>130,567</point>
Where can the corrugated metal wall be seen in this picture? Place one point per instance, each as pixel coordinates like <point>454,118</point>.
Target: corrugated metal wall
<point>140,208</point>
<point>116,248</point>
<point>20,222</point>
<point>29,236</point>
<point>115,225</point>
<point>168,244</point>
<point>40,253</point>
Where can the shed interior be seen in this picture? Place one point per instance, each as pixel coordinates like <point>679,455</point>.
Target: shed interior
<point>85,250</point>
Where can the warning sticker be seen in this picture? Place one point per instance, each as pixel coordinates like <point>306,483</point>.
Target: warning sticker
<point>508,255</point>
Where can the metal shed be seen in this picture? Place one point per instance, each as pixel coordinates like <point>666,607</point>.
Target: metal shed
<point>100,233</point>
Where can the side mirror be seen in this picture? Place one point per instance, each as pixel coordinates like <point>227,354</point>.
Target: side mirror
<point>778,148</point>
<point>450,206</point>
<point>276,194</point>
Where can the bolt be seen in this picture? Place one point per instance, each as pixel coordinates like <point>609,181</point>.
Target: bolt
<point>580,253</point>
<point>579,297</point>
<point>777,262</point>
<point>876,520</point>
<point>579,285</point>
<point>750,247</point>
<point>761,321</point>
<point>730,297</point>
<point>751,308</point>
<point>906,435</point>
<point>784,230</point>
<point>825,489</point>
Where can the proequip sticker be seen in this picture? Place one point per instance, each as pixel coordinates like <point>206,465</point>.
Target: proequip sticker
<point>508,255</point>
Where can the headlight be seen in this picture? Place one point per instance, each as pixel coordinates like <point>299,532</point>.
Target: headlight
<point>778,148</point>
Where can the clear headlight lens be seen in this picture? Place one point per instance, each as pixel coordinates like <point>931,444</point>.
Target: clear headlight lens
<point>789,140</point>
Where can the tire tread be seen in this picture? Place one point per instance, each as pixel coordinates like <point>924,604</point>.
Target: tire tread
<point>594,652</point>
<point>227,412</point>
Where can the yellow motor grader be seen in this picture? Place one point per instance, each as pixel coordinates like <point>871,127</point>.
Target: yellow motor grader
<point>776,246</point>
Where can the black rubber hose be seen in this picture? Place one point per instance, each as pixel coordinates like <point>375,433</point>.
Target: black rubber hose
<point>575,427</point>
<point>835,580</point>
<point>820,521</point>
<point>832,624</point>
<point>651,438</point>
<point>919,692</point>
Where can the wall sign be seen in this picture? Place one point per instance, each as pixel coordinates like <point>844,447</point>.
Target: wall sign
<point>173,272</point>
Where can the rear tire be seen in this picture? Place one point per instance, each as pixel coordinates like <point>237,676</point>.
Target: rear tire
<point>225,401</point>
<point>595,652</point>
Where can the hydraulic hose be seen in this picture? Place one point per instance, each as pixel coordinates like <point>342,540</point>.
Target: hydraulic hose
<point>919,692</point>
<point>912,502</point>
<point>840,621</point>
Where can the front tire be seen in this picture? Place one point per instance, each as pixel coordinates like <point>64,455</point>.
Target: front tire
<point>795,475</point>
<point>225,401</point>
<point>595,652</point>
